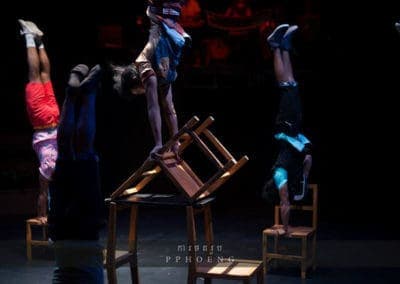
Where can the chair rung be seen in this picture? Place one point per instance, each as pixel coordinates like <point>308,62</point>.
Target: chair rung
<point>39,243</point>
<point>285,256</point>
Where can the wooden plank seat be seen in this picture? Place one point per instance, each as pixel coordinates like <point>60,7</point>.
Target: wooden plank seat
<point>238,269</point>
<point>231,269</point>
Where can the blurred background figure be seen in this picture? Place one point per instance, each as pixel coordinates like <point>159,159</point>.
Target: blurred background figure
<point>238,9</point>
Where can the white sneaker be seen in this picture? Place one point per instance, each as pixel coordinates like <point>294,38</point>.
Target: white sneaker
<point>28,27</point>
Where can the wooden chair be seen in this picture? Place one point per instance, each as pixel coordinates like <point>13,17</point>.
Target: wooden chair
<point>32,242</point>
<point>195,192</point>
<point>232,269</point>
<point>305,234</point>
<point>115,258</point>
<point>180,172</point>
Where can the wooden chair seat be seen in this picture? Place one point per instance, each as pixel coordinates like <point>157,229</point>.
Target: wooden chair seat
<point>294,232</point>
<point>35,222</point>
<point>233,269</point>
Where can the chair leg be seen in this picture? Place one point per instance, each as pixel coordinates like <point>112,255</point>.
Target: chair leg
<point>111,244</point>
<point>28,242</point>
<point>265,253</point>
<point>314,252</point>
<point>246,281</point>
<point>303,257</point>
<point>276,244</point>
<point>207,280</point>
<point>191,279</point>
<point>208,229</point>
<point>133,245</point>
<point>43,233</point>
<point>260,276</point>
<point>112,274</point>
<point>191,234</point>
<point>303,273</point>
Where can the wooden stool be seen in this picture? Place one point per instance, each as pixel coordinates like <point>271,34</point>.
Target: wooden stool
<point>29,241</point>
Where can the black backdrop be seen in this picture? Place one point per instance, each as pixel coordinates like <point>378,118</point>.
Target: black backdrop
<point>349,85</point>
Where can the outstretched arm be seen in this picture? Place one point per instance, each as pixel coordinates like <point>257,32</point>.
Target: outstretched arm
<point>169,111</point>
<point>153,112</point>
<point>170,114</point>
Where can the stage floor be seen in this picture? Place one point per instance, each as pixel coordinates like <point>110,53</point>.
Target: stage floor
<point>345,253</point>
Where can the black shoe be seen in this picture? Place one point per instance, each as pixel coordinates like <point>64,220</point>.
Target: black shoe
<point>286,43</point>
<point>81,69</point>
<point>77,74</point>
<point>275,38</point>
<point>92,79</point>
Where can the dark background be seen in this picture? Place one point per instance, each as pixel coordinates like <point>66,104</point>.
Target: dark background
<point>348,77</point>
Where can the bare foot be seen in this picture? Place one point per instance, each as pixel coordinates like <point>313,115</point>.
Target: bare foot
<point>175,150</point>
<point>289,231</point>
<point>42,219</point>
<point>280,232</point>
<point>154,153</point>
<point>284,231</point>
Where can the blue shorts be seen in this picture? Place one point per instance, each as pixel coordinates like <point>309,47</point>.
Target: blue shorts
<point>280,177</point>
